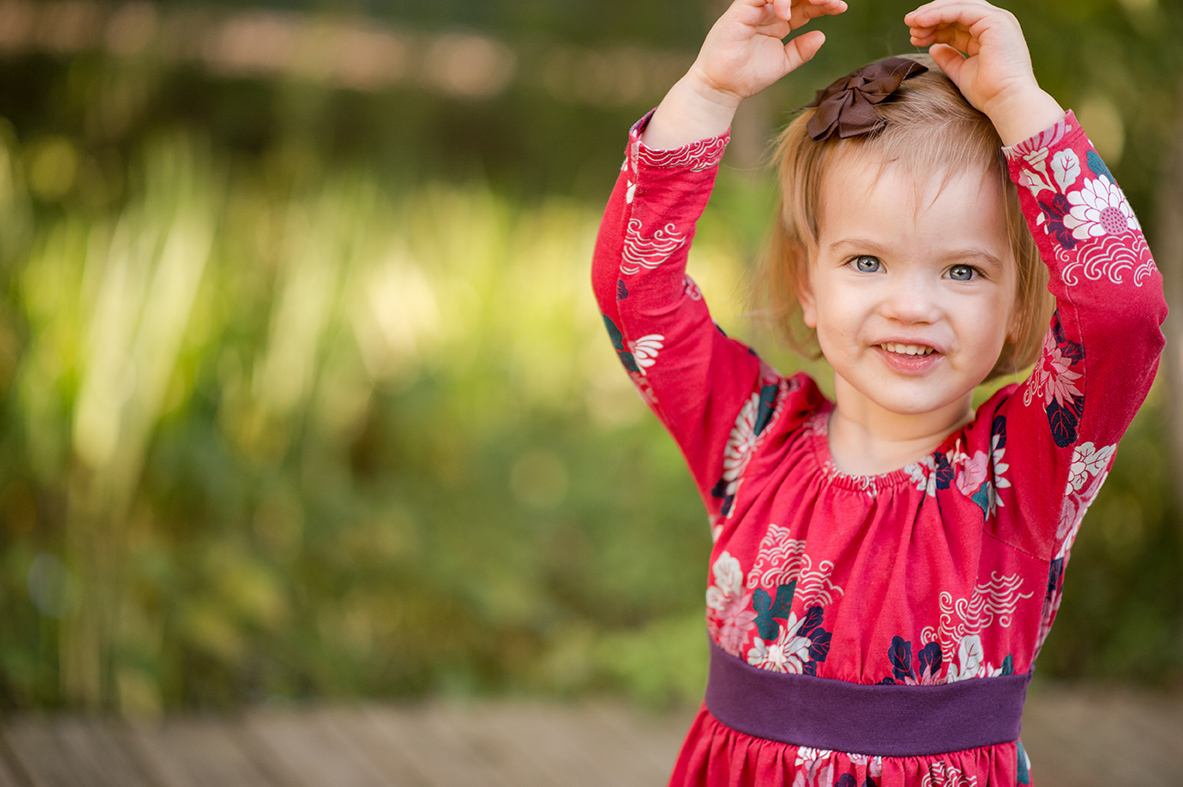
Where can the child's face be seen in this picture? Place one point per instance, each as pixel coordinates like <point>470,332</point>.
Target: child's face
<point>912,288</point>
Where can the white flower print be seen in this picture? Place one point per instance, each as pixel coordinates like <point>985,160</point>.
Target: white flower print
<point>1099,208</point>
<point>1000,467</point>
<point>645,350</point>
<point>942,774</point>
<point>923,475</point>
<point>1066,168</point>
<point>788,654</point>
<point>1088,461</point>
<point>741,444</point>
<point>807,755</point>
<point>630,193</point>
<point>728,581</point>
<point>729,610</point>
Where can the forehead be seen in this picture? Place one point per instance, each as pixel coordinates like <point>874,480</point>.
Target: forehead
<point>862,192</point>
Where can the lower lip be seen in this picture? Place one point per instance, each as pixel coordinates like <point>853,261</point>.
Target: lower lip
<point>909,364</point>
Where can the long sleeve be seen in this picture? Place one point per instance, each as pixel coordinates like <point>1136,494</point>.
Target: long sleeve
<point>712,393</point>
<point>1059,430</point>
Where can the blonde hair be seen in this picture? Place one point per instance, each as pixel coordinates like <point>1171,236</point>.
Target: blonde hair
<point>930,128</point>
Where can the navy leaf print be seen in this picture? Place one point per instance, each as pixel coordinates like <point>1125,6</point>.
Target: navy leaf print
<point>1069,349</point>
<point>809,668</point>
<point>767,611</point>
<point>944,470</point>
<point>998,429</point>
<point>887,682</point>
<point>629,362</point>
<point>621,290</point>
<point>1053,577</point>
<point>900,654</point>
<point>1063,420</point>
<point>720,330</point>
<point>819,646</point>
<point>720,491</point>
<point>1055,210</point>
<point>813,619</point>
<point>767,403</point>
<point>928,660</point>
<point>846,781</point>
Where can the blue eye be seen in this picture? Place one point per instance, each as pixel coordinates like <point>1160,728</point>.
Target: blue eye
<point>866,264</point>
<point>962,273</point>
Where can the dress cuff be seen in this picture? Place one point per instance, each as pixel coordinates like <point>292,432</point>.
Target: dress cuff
<point>1031,146</point>
<point>696,156</point>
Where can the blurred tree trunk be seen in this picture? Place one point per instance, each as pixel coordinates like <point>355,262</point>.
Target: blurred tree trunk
<point>1168,254</point>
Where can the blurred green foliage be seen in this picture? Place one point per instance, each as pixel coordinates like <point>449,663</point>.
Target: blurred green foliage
<point>305,394</point>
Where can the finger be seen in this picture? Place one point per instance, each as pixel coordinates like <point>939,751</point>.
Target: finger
<point>949,60</point>
<point>801,12</point>
<point>955,36</point>
<point>802,48</point>
<point>965,12</point>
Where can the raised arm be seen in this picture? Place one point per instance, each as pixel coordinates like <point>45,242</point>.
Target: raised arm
<point>712,393</point>
<point>1055,438</point>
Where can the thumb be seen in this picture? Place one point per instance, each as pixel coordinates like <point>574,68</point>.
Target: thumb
<point>802,48</point>
<point>950,61</point>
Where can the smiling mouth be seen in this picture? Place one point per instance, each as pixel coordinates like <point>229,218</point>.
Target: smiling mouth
<point>907,349</point>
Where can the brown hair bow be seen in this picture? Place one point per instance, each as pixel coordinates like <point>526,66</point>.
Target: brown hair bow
<point>846,105</point>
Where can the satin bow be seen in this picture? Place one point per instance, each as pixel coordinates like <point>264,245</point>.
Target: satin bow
<point>846,105</point>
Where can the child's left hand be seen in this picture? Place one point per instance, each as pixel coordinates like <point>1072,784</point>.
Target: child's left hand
<point>995,73</point>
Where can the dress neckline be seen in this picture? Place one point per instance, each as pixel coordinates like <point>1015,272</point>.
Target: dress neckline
<point>915,473</point>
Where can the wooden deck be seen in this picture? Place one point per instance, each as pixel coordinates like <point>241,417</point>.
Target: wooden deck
<point>1077,738</point>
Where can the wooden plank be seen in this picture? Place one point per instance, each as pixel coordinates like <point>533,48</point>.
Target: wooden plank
<point>560,742</point>
<point>313,750</point>
<point>356,725</point>
<point>639,743</point>
<point>510,756</point>
<point>202,752</point>
<point>1082,738</point>
<point>11,773</point>
<point>70,751</point>
<point>424,737</point>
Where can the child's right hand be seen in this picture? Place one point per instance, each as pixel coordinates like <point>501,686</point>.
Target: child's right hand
<point>743,54</point>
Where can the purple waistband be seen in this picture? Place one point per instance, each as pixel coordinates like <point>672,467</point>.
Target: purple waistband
<point>890,721</point>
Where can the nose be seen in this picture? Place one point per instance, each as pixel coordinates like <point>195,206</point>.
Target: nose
<point>911,297</point>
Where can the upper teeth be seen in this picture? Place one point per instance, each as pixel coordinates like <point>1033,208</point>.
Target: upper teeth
<point>908,349</point>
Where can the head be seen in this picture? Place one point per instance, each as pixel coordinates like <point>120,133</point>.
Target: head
<point>932,138</point>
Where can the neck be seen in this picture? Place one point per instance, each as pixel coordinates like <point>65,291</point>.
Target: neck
<point>865,439</point>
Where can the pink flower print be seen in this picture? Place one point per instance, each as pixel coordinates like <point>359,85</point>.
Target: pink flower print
<point>734,622</point>
<point>1052,378</point>
<point>729,610</point>
<point>1099,209</point>
<point>972,472</point>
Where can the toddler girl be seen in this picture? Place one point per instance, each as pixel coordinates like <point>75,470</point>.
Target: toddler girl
<point>886,566</point>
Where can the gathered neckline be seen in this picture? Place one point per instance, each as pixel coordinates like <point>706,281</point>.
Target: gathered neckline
<point>914,473</point>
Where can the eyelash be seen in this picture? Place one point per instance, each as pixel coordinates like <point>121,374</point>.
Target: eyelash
<point>975,273</point>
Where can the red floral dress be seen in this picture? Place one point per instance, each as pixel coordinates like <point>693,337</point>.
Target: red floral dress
<point>948,569</point>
